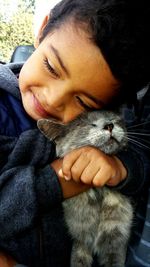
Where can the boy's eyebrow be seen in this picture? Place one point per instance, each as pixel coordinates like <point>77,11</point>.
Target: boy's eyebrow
<point>55,51</point>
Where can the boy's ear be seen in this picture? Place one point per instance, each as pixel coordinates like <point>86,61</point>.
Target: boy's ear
<point>50,128</point>
<point>37,39</point>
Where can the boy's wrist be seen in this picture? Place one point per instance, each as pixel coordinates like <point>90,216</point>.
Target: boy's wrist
<point>69,188</point>
<point>122,169</point>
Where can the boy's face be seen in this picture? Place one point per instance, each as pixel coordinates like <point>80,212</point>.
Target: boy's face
<point>66,75</point>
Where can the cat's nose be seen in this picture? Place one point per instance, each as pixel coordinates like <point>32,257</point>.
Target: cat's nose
<point>109,127</point>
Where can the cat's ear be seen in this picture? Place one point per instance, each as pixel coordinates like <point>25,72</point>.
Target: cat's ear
<point>50,128</point>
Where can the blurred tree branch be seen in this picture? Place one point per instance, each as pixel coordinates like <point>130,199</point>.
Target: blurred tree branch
<point>16,28</point>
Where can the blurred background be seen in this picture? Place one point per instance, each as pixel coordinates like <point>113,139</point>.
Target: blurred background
<point>19,24</point>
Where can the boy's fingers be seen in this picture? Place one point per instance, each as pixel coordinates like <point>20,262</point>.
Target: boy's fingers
<point>89,173</point>
<point>102,176</point>
<point>76,161</point>
<point>68,162</point>
<point>114,180</point>
<point>78,168</point>
<point>105,176</point>
<point>75,165</point>
<point>61,174</point>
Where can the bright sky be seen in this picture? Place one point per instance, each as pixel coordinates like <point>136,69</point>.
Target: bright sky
<point>8,6</point>
<point>42,8</point>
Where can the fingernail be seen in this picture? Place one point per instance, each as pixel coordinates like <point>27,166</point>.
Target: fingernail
<point>67,178</point>
<point>60,173</point>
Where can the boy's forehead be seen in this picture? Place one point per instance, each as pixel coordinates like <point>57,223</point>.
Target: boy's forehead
<point>73,43</point>
<point>71,32</point>
<point>72,48</point>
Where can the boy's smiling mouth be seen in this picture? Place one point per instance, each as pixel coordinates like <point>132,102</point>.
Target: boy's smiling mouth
<point>39,109</point>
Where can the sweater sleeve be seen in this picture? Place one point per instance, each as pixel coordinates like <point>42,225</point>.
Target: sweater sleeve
<point>27,182</point>
<point>137,157</point>
<point>133,161</point>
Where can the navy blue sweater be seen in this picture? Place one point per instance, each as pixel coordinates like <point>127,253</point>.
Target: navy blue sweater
<point>138,121</point>
<point>31,219</point>
<point>31,216</point>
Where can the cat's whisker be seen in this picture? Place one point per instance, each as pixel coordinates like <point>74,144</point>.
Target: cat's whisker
<point>132,141</point>
<point>137,125</point>
<point>135,133</point>
<point>137,143</point>
<point>139,136</point>
<point>137,130</point>
<point>137,140</point>
<point>141,139</point>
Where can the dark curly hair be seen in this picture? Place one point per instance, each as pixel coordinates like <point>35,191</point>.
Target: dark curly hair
<point>120,28</point>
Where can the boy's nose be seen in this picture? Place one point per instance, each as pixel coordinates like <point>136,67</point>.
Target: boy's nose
<point>55,98</point>
<point>70,112</point>
<point>60,102</point>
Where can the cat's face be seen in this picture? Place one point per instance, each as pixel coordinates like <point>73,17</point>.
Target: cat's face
<point>103,129</point>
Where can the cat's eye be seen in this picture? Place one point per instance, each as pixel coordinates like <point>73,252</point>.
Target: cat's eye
<point>94,125</point>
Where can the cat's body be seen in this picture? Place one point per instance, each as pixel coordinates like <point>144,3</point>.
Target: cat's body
<point>100,219</point>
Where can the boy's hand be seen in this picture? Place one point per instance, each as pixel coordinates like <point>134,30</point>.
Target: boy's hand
<point>91,166</point>
<point>69,188</point>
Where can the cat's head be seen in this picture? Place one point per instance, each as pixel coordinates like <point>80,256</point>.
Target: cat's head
<point>51,128</point>
<point>103,129</point>
<point>106,130</point>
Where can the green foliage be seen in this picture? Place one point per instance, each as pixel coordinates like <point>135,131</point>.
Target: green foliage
<point>16,29</point>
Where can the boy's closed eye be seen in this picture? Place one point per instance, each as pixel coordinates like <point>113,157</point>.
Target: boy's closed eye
<point>50,68</point>
<point>84,105</point>
<point>80,101</point>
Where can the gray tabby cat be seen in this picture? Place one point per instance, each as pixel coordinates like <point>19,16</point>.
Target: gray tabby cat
<point>100,219</point>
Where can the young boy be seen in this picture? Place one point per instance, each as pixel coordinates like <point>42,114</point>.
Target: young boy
<point>89,55</point>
